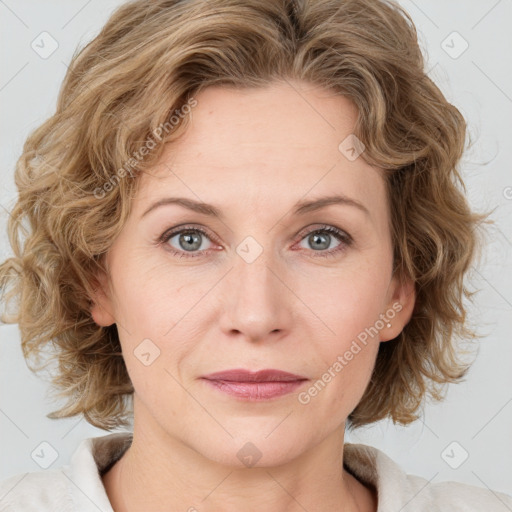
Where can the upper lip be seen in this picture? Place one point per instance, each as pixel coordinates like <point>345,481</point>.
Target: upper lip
<point>242,375</point>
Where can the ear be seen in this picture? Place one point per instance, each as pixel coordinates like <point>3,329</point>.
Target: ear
<point>400,307</point>
<point>101,309</point>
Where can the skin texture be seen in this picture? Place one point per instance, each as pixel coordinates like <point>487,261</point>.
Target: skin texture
<point>253,154</point>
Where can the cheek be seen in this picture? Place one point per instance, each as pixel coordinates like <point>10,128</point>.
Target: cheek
<point>347,304</point>
<point>347,299</point>
<point>160,316</point>
<point>346,355</point>
<point>149,296</point>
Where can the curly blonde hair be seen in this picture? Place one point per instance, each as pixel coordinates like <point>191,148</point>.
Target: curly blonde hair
<point>77,175</point>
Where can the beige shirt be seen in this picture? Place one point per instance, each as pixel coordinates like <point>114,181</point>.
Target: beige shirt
<point>78,487</point>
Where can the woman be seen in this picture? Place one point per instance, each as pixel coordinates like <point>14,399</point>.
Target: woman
<point>247,232</point>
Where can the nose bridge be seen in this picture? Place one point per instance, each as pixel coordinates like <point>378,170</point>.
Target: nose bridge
<point>255,273</point>
<point>255,301</point>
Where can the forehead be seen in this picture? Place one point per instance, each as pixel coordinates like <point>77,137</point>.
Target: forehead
<point>264,145</point>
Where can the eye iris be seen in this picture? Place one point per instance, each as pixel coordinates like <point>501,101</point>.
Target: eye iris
<point>192,241</point>
<point>323,239</point>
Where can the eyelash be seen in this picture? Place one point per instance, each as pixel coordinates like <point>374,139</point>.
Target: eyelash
<point>342,236</point>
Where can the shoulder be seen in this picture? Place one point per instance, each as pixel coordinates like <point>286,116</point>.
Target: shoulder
<point>73,487</point>
<point>455,496</point>
<point>463,497</point>
<point>41,491</point>
<point>410,493</point>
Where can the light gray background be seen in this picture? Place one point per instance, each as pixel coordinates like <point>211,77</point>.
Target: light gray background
<point>477,414</point>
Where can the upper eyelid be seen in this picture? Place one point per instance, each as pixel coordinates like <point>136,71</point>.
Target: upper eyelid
<point>169,233</point>
<point>323,227</point>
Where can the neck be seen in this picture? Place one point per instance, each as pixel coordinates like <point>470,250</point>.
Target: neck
<point>161,472</point>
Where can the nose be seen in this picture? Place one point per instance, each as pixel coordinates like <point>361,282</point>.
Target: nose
<point>256,303</point>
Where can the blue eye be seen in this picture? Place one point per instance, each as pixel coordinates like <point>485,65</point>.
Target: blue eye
<point>190,241</point>
<point>321,238</point>
<point>188,238</point>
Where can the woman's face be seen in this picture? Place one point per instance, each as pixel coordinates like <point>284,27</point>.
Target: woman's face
<point>254,286</point>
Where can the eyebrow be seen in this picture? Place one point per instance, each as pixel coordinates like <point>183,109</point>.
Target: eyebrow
<point>300,208</point>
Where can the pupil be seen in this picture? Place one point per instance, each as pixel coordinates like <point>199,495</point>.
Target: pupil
<point>192,241</point>
<point>318,238</point>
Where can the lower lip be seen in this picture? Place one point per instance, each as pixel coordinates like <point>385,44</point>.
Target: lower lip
<point>255,391</point>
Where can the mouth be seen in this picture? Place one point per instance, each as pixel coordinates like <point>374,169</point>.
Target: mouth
<point>254,386</point>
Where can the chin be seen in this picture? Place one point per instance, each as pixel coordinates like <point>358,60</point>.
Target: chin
<point>252,448</point>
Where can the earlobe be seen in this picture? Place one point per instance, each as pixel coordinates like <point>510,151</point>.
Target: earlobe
<point>101,316</point>
<point>399,309</point>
